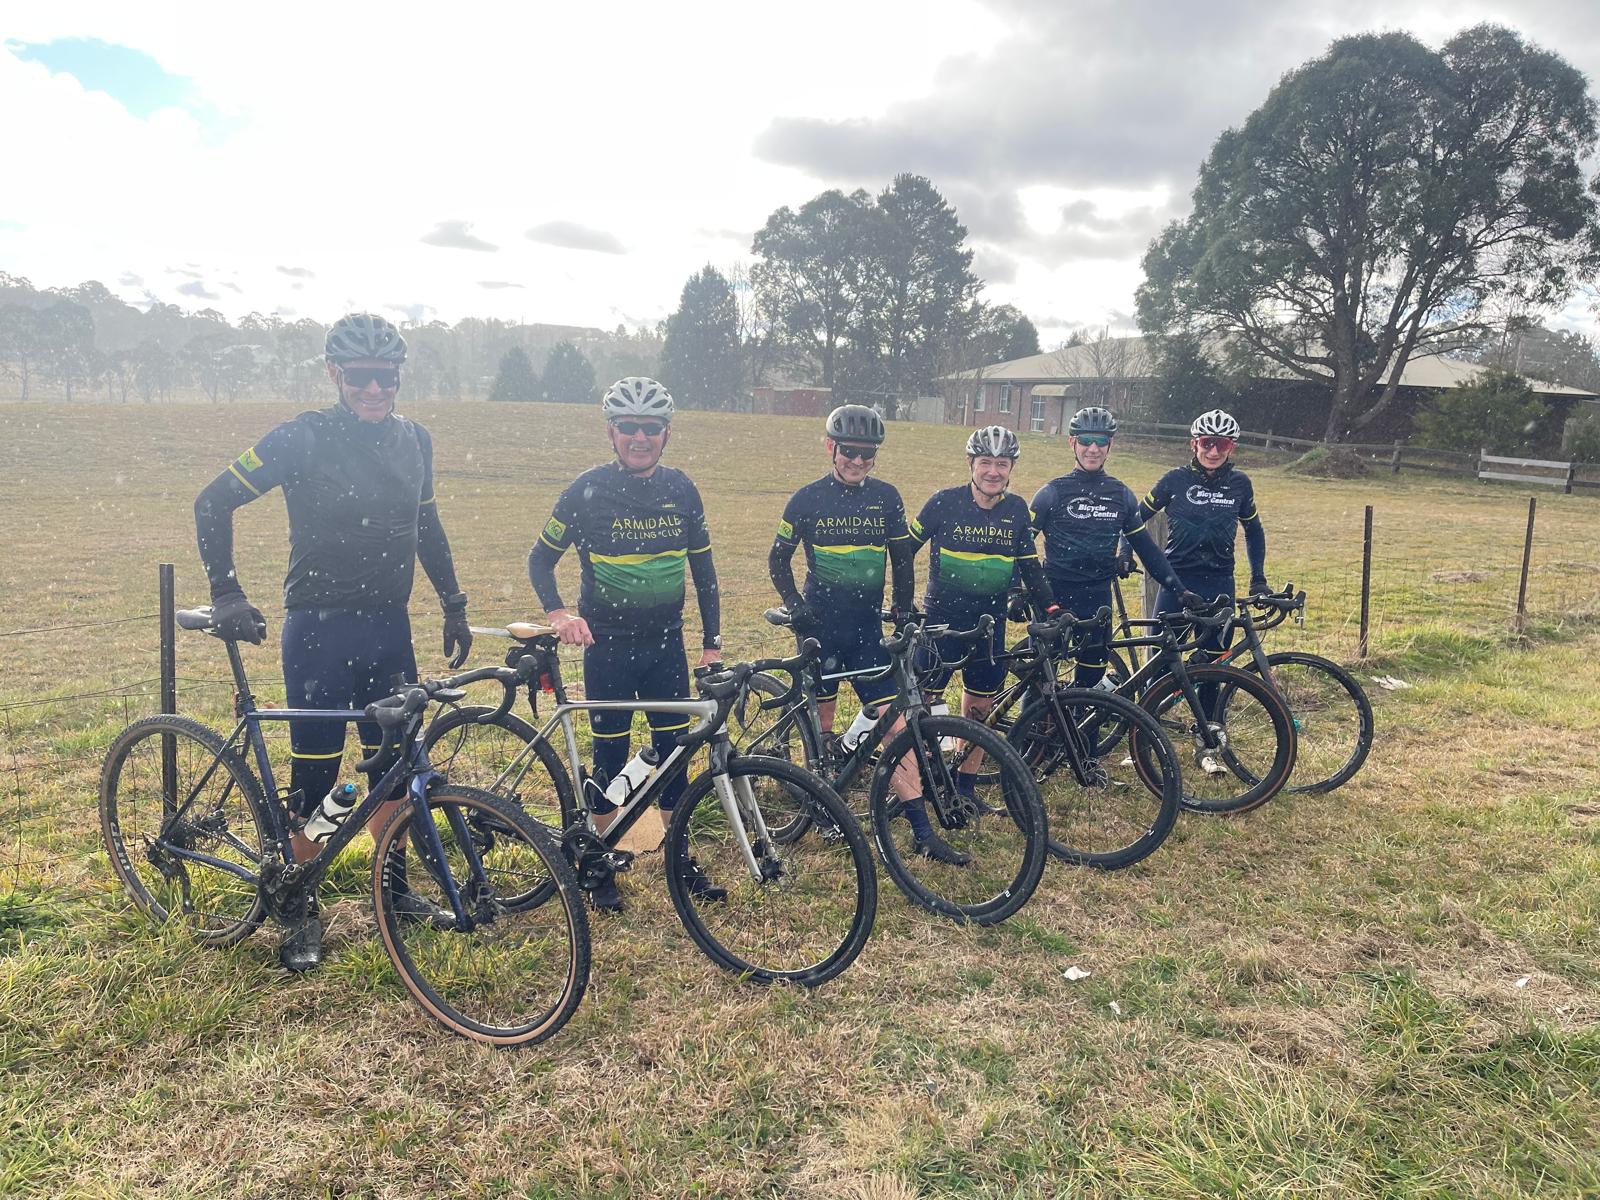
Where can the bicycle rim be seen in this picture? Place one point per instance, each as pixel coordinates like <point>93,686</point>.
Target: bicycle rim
<point>519,971</point>
<point>1332,719</point>
<point>491,757</point>
<point>1257,743</point>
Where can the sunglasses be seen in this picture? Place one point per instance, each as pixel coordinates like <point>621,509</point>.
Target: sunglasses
<point>1093,439</point>
<point>861,453</point>
<point>360,377</point>
<point>1213,444</point>
<point>648,428</point>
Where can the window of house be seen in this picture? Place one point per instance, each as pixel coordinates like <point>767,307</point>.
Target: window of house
<point>980,401</point>
<point>1036,419</point>
<point>1005,398</point>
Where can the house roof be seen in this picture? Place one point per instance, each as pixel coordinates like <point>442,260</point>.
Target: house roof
<point>1134,358</point>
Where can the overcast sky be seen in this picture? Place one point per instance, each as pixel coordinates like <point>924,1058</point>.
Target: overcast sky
<point>574,164</point>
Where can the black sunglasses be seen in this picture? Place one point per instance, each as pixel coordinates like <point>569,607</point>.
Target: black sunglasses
<point>360,377</point>
<point>867,453</point>
<point>648,428</point>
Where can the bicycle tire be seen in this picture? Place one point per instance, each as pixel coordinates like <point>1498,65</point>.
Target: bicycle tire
<point>477,754</point>
<point>828,883</point>
<point>448,970</point>
<point>1329,751</point>
<point>780,740</point>
<point>1108,817</point>
<point>227,821</point>
<point>1009,850</point>
<point>1259,748</point>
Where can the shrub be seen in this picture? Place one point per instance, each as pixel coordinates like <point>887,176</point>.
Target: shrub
<point>1497,412</point>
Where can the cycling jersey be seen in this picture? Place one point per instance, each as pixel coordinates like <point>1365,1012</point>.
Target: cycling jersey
<point>976,553</point>
<point>361,510</point>
<point>634,534</point>
<point>848,533</point>
<point>1203,509</point>
<point>1081,516</point>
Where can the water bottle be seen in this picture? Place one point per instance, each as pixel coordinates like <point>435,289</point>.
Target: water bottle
<point>330,814</point>
<point>940,709</point>
<point>865,720</point>
<point>632,776</point>
<point>1106,684</point>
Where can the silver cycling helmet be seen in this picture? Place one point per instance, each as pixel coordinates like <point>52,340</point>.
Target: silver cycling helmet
<point>1093,419</point>
<point>364,335</point>
<point>995,441</point>
<point>855,423</point>
<point>636,396</point>
<point>1215,423</point>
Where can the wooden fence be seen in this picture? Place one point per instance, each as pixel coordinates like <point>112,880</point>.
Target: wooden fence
<point>1398,456</point>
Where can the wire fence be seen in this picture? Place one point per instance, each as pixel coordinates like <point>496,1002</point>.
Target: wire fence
<point>1441,591</point>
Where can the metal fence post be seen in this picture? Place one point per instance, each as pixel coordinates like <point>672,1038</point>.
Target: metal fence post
<point>1519,624</point>
<point>169,683</point>
<point>1366,582</point>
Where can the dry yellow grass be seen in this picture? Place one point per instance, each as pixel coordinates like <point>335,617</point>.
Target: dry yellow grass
<point>1392,990</point>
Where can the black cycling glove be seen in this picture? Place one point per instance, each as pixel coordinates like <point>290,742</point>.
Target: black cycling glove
<point>457,633</point>
<point>237,620</point>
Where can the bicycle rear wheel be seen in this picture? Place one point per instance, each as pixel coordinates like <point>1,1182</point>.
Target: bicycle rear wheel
<point>1100,810</point>
<point>1003,834</point>
<point>1332,719</point>
<point>491,757</point>
<point>1254,735</point>
<point>514,971</point>
<point>805,914</point>
<point>210,805</point>
<point>790,738</point>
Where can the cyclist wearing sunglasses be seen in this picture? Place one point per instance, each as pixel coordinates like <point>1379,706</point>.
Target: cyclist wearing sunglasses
<point>357,481</point>
<point>636,524</point>
<point>1082,516</point>
<point>850,525</point>
<point>1206,501</point>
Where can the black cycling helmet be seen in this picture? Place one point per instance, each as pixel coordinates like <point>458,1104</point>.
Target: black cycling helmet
<point>993,441</point>
<point>364,335</point>
<point>1093,420</point>
<point>855,423</point>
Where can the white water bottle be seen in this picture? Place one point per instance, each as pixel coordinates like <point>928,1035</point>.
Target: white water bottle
<point>940,709</point>
<point>865,720</point>
<point>330,814</point>
<point>1106,684</point>
<point>632,776</point>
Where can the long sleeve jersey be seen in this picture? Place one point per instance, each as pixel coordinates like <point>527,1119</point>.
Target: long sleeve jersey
<point>634,534</point>
<point>976,553</point>
<point>361,510</point>
<point>1081,516</point>
<point>848,533</point>
<point>1203,510</point>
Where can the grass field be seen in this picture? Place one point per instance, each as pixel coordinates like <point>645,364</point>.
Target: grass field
<point>1393,990</point>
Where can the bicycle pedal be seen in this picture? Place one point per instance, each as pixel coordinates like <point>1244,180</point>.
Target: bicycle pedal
<point>618,860</point>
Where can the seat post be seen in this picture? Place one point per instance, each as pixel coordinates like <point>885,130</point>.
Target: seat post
<point>243,701</point>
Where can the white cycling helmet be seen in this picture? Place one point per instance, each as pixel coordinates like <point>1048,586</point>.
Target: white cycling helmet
<point>993,441</point>
<point>636,396</point>
<point>1215,423</point>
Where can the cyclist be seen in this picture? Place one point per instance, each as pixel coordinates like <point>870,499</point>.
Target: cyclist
<point>1082,515</point>
<point>982,539</point>
<point>850,523</point>
<point>1205,500</point>
<point>357,480</point>
<point>635,524</point>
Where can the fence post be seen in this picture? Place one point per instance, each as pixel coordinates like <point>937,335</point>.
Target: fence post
<point>1366,581</point>
<point>169,682</point>
<point>1521,620</point>
<point>1394,463</point>
<point>1572,475</point>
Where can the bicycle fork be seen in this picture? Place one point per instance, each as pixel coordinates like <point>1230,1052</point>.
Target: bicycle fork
<point>743,814</point>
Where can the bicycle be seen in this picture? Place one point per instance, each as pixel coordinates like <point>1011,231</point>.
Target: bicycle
<point>1102,812</point>
<point>1001,828</point>
<point>786,912</point>
<point>489,938</point>
<point>1332,714</point>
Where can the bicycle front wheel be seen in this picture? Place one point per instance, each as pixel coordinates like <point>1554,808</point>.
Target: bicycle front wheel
<point>1101,812</point>
<point>505,756</point>
<point>1332,720</point>
<point>1239,747</point>
<point>792,912</point>
<point>997,832</point>
<point>508,972</point>
<point>169,794</point>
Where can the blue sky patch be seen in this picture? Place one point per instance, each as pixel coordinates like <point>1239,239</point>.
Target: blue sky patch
<point>130,77</point>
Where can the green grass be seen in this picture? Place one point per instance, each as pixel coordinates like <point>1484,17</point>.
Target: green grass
<point>1319,999</point>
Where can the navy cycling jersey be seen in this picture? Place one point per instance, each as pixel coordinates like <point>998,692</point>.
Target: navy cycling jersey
<point>1204,510</point>
<point>361,508</point>
<point>847,532</point>
<point>635,534</point>
<point>976,551</point>
<point>1081,516</point>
